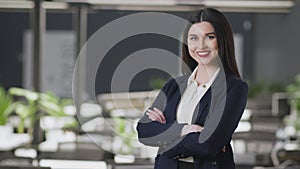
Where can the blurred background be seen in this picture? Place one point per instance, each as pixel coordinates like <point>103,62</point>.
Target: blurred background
<point>55,116</point>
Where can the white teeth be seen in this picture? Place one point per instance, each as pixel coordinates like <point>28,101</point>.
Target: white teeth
<point>202,53</point>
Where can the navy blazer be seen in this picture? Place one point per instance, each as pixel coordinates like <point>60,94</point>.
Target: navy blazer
<point>219,111</point>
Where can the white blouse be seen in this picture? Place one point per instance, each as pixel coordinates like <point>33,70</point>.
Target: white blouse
<point>191,97</point>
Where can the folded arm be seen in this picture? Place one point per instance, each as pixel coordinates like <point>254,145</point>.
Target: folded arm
<point>234,106</point>
<point>155,133</point>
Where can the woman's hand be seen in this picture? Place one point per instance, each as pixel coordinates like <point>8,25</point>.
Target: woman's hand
<point>156,115</point>
<point>190,129</point>
<point>195,128</point>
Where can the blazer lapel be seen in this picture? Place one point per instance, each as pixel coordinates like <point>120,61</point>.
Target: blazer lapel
<point>181,86</point>
<point>201,106</point>
<point>205,101</point>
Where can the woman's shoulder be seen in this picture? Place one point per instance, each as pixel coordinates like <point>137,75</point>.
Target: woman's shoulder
<point>181,78</point>
<point>233,80</point>
<point>174,82</point>
<point>177,79</point>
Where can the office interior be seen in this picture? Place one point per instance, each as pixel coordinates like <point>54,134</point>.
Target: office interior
<point>66,106</point>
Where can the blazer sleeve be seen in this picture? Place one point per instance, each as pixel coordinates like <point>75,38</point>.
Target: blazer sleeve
<point>235,103</point>
<point>152,133</point>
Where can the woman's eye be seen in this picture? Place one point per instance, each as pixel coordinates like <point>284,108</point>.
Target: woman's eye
<point>210,37</point>
<point>193,38</point>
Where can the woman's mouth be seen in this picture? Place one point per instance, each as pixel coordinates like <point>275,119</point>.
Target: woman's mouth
<point>203,53</point>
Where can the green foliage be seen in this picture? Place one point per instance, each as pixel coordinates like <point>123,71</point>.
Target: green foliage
<point>254,89</point>
<point>7,106</point>
<point>262,86</point>
<point>71,125</point>
<point>27,107</point>
<point>124,128</point>
<point>26,112</point>
<point>157,83</point>
<point>33,105</point>
<point>53,105</point>
<point>126,132</point>
<point>294,91</point>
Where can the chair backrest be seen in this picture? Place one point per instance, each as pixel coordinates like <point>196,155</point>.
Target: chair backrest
<point>126,100</point>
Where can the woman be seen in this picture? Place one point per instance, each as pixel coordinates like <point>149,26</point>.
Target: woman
<point>194,116</point>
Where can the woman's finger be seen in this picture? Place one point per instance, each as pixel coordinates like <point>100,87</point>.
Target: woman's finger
<point>154,116</point>
<point>157,116</point>
<point>160,113</point>
<point>155,113</point>
<point>152,119</point>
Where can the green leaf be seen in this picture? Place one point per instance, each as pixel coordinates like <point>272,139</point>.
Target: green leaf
<point>6,107</point>
<point>25,111</point>
<point>29,95</point>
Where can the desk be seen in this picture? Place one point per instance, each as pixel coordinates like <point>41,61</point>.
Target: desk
<point>22,167</point>
<point>138,164</point>
<point>288,151</point>
<point>72,164</point>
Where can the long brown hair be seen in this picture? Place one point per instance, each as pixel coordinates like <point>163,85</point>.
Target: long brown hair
<point>224,39</point>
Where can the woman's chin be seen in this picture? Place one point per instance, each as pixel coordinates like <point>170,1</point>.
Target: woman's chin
<point>205,61</point>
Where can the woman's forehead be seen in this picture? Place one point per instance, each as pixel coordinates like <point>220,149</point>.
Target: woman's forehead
<point>202,28</point>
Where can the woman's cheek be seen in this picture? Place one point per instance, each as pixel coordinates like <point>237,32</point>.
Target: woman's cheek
<point>191,51</point>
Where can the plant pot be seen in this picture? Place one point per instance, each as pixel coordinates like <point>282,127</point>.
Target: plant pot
<point>6,131</point>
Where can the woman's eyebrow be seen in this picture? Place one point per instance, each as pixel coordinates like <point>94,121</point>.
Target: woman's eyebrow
<point>210,33</point>
<point>205,34</point>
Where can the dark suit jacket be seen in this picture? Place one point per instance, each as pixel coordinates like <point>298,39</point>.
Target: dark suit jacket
<point>219,111</point>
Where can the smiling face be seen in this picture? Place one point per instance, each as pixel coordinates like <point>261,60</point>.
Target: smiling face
<point>202,43</point>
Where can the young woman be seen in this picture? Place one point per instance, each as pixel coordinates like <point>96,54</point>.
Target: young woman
<point>194,116</point>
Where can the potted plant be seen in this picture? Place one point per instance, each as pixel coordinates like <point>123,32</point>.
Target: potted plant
<point>33,105</point>
<point>124,141</point>
<point>293,90</point>
<point>260,94</point>
<point>26,109</point>
<point>7,106</point>
<point>58,108</point>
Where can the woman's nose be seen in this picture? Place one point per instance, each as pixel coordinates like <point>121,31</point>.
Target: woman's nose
<point>202,44</point>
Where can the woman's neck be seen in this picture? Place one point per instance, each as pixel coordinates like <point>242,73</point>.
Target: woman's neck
<point>205,73</point>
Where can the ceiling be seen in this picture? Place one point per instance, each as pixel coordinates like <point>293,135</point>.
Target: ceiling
<point>249,6</point>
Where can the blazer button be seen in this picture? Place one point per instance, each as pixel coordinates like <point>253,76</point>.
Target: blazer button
<point>214,163</point>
